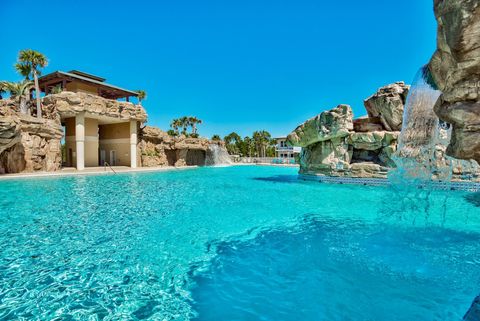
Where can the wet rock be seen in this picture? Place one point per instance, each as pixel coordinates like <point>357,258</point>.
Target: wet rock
<point>455,69</point>
<point>387,105</point>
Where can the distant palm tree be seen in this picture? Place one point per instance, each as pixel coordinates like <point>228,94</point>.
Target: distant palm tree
<point>142,94</point>
<point>193,121</point>
<point>20,91</point>
<point>261,139</point>
<point>176,124</point>
<point>34,60</point>
<point>185,123</point>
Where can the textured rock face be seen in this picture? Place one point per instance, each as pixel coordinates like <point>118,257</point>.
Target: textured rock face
<point>157,148</point>
<point>28,144</point>
<point>387,105</point>
<point>336,145</point>
<point>325,126</point>
<point>455,69</point>
<point>68,104</point>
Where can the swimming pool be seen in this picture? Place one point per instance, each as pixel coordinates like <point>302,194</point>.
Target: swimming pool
<point>233,243</point>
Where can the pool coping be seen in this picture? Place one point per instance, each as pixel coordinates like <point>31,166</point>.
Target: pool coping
<point>94,171</point>
<point>441,185</point>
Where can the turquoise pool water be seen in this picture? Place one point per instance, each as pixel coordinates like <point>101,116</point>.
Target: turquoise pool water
<point>233,243</point>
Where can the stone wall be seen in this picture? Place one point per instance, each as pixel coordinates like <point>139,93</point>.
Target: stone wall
<point>455,69</point>
<point>27,143</point>
<point>335,144</point>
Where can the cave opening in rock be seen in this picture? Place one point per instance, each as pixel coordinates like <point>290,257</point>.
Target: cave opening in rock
<point>195,157</point>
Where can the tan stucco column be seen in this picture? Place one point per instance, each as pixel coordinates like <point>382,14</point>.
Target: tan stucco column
<point>80,140</point>
<point>133,143</point>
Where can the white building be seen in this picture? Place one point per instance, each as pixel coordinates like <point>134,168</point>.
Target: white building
<point>282,150</point>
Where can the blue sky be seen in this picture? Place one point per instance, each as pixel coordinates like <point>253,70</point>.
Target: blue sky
<point>238,65</point>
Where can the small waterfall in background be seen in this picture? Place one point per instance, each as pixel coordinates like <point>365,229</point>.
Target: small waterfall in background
<point>217,156</point>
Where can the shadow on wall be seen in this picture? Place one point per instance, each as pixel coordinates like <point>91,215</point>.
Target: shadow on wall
<point>195,157</point>
<point>12,160</point>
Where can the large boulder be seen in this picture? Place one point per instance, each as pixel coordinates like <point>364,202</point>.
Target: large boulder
<point>331,157</point>
<point>28,144</point>
<point>465,119</point>
<point>455,69</point>
<point>331,124</point>
<point>387,105</point>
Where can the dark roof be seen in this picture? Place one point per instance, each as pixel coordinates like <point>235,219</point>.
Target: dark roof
<point>86,75</point>
<point>110,91</point>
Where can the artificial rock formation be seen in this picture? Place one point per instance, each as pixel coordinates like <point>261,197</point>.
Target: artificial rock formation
<point>68,104</point>
<point>157,148</point>
<point>27,143</point>
<point>335,144</point>
<point>455,69</point>
<point>387,105</point>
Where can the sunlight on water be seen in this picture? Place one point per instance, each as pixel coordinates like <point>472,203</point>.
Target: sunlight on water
<point>156,246</point>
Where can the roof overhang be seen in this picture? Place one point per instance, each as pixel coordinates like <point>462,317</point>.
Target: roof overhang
<point>105,90</point>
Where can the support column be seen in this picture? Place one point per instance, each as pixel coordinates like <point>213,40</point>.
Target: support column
<point>80,140</point>
<point>133,143</point>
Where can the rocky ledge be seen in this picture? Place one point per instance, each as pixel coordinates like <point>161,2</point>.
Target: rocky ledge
<point>335,144</point>
<point>27,143</point>
<point>157,148</point>
<point>68,104</point>
<point>455,69</point>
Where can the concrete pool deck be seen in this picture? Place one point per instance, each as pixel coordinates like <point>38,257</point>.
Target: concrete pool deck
<point>71,171</point>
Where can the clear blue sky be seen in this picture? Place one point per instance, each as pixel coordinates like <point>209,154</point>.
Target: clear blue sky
<point>238,65</point>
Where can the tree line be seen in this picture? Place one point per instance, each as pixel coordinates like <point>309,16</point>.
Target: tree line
<point>260,144</point>
<point>186,125</point>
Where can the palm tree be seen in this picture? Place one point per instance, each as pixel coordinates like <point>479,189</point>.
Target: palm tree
<point>185,123</point>
<point>176,124</point>
<point>23,69</point>
<point>193,121</point>
<point>142,94</point>
<point>262,138</point>
<point>20,91</point>
<point>34,60</point>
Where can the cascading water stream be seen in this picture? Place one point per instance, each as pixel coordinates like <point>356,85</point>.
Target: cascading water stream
<point>421,160</point>
<point>421,156</point>
<point>217,156</point>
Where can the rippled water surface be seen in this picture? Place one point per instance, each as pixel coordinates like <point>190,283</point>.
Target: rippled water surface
<point>233,243</point>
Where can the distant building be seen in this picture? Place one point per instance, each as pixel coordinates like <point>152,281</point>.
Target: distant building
<point>282,150</point>
<point>98,128</point>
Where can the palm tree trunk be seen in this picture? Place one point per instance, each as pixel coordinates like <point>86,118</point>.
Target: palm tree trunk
<point>37,94</point>
<point>23,105</point>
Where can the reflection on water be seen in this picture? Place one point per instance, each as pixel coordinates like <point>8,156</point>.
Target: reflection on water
<point>323,269</point>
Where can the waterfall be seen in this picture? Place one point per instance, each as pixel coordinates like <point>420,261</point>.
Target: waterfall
<point>421,160</point>
<point>421,154</point>
<point>217,156</point>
